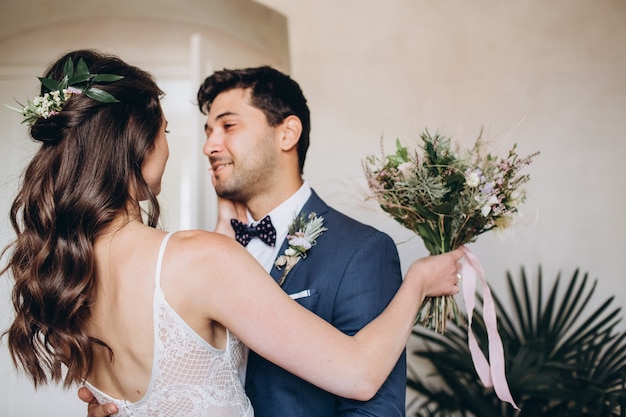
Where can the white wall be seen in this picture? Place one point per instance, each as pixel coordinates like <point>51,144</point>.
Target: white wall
<point>550,76</point>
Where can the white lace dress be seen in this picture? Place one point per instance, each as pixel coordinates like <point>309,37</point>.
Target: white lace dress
<point>190,378</point>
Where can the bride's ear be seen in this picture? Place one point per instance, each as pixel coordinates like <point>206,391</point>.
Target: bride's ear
<point>291,129</point>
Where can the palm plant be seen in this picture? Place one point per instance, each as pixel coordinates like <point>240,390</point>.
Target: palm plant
<point>561,360</point>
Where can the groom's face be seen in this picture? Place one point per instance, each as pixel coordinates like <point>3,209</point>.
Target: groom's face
<point>241,146</point>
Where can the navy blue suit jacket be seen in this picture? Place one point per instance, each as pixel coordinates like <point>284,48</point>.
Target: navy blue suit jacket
<point>352,273</point>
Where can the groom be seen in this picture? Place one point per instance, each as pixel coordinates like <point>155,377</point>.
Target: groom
<point>257,138</point>
<point>257,132</point>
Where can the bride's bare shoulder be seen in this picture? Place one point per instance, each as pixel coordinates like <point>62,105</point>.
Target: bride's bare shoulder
<point>200,245</point>
<point>202,237</point>
<point>195,265</point>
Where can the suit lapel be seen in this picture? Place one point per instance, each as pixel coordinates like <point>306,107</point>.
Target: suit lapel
<point>313,205</point>
<point>275,272</point>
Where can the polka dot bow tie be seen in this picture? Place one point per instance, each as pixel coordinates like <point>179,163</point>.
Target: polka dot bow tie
<point>264,230</point>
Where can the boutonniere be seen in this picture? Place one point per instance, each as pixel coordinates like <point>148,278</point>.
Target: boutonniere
<point>301,236</point>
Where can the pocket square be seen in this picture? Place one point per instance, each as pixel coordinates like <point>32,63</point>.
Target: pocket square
<point>302,294</point>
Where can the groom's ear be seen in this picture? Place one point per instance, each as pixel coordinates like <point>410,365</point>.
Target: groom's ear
<point>291,129</point>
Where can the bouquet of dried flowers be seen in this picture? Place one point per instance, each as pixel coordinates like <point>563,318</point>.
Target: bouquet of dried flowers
<point>448,197</point>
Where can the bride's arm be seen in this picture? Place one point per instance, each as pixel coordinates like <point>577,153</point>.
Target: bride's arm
<point>240,295</point>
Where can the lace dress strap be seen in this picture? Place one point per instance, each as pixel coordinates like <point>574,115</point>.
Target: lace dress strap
<point>159,265</point>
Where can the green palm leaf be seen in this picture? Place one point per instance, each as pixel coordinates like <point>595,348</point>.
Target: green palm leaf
<point>563,357</point>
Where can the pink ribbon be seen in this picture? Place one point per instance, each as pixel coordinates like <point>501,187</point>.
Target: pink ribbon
<point>490,375</point>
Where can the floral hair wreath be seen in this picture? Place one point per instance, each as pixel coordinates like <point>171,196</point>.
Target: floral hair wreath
<point>76,80</point>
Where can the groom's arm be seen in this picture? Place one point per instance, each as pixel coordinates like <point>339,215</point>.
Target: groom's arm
<point>372,277</point>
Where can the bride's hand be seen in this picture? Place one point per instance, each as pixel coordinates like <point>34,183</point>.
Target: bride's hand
<point>438,274</point>
<point>227,210</point>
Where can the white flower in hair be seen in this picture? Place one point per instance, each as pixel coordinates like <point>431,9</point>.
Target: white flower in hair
<point>75,81</point>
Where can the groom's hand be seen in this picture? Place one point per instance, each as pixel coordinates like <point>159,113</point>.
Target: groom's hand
<point>94,409</point>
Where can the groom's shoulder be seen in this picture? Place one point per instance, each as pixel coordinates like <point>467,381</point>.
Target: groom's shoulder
<point>347,224</point>
<point>348,235</point>
<point>345,220</point>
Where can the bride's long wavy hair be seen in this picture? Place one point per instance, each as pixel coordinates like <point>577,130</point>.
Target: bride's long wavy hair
<point>78,181</point>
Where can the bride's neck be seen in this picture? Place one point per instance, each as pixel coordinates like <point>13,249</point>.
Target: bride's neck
<point>126,221</point>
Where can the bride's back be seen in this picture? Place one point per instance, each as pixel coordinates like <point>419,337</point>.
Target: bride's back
<point>179,373</point>
<point>122,313</point>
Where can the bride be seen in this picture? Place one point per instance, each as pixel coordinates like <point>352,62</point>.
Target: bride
<point>149,320</point>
